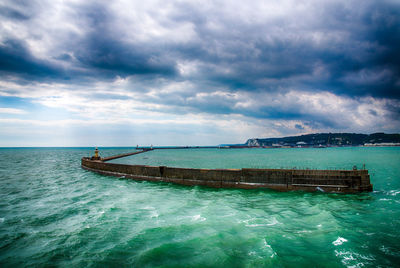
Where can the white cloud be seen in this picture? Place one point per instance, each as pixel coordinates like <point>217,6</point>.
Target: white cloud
<point>228,86</point>
<point>11,111</point>
<point>183,103</point>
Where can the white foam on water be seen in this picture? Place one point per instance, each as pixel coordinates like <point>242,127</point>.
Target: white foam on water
<point>394,192</point>
<point>154,214</point>
<point>271,222</point>
<point>339,241</point>
<point>268,246</point>
<point>346,256</point>
<point>252,253</point>
<point>303,231</point>
<point>198,218</point>
<point>353,259</point>
<point>228,215</point>
<point>1,220</point>
<point>389,251</point>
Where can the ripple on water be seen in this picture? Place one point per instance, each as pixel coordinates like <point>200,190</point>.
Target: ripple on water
<point>52,212</point>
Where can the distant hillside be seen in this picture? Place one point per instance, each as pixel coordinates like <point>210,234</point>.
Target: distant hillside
<point>327,139</point>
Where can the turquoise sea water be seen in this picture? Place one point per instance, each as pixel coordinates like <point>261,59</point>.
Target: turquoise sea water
<point>53,213</point>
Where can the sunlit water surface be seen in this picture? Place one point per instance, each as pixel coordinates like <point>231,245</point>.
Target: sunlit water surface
<point>53,213</point>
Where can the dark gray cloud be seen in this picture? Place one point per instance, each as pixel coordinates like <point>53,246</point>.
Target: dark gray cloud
<point>348,48</point>
<point>12,13</point>
<point>16,60</point>
<point>358,41</point>
<point>103,51</point>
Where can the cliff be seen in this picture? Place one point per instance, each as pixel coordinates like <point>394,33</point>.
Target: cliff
<point>327,139</point>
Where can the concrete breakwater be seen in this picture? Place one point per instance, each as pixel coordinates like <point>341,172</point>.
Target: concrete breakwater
<point>335,181</point>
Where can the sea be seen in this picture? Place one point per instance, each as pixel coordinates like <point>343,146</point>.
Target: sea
<point>54,213</point>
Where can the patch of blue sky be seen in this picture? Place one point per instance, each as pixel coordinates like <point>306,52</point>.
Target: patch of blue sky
<point>31,110</point>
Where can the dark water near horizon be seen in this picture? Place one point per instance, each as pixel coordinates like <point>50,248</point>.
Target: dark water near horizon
<point>53,213</point>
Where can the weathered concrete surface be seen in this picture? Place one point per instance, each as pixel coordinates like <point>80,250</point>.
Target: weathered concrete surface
<point>340,181</point>
<point>121,155</point>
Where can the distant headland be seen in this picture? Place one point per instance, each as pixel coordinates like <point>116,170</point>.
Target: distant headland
<point>325,140</point>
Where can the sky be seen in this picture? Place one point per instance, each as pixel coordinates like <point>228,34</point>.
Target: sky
<point>122,73</point>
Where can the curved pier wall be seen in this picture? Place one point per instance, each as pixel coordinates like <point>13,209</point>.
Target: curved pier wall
<point>346,181</point>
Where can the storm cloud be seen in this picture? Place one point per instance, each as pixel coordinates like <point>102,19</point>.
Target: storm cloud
<point>307,65</point>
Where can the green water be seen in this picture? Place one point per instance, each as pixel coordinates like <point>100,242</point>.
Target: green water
<point>53,213</point>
